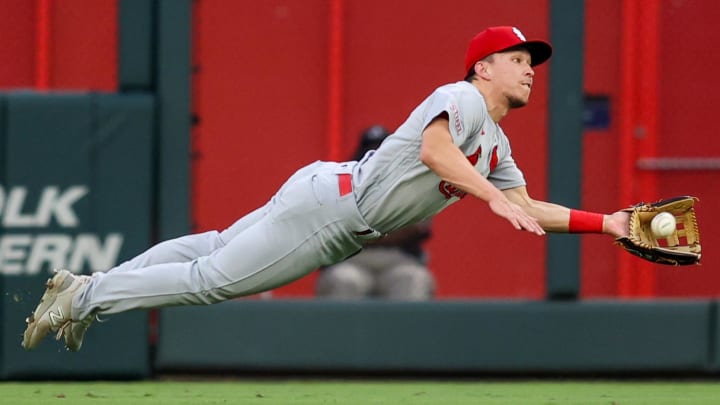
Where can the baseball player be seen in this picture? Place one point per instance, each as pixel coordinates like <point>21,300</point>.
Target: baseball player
<point>449,147</point>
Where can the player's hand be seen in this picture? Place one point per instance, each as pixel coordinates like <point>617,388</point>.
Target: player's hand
<point>617,224</point>
<point>515,215</point>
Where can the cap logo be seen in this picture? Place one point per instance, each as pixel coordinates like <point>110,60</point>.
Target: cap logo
<point>519,34</point>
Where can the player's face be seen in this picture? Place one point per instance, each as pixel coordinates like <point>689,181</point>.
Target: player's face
<point>514,76</point>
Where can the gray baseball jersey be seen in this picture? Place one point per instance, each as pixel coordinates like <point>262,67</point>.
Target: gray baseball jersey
<point>395,188</point>
<point>320,216</point>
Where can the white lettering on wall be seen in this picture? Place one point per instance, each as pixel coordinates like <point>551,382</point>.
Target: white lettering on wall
<point>27,253</point>
<point>53,203</point>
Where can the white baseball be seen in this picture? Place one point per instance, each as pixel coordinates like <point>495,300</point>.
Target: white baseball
<point>663,225</point>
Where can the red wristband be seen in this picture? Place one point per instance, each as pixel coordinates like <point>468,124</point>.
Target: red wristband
<point>585,222</point>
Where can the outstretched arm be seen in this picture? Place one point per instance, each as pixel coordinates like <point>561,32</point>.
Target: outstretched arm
<point>557,218</point>
<point>439,153</point>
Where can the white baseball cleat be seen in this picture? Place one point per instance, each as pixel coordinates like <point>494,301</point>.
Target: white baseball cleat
<point>75,332</point>
<point>53,313</point>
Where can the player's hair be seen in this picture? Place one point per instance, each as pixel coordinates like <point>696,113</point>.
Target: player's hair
<point>471,73</point>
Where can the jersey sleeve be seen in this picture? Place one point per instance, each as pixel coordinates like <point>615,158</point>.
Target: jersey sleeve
<point>464,120</point>
<point>506,174</point>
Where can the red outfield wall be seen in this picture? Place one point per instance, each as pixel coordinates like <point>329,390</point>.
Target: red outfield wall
<point>262,96</point>
<point>262,93</point>
<point>681,106</point>
<point>58,44</point>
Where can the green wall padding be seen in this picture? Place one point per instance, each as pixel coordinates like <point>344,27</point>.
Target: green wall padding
<point>78,167</point>
<point>441,337</point>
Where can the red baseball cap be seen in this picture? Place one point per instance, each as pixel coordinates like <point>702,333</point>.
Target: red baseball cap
<point>498,39</point>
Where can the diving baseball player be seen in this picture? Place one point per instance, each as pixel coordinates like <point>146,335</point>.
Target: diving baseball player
<point>449,147</point>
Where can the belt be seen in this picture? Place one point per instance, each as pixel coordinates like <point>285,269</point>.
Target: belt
<point>344,183</point>
<point>345,188</point>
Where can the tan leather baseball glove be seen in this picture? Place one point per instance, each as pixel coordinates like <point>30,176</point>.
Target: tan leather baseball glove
<point>682,247</point>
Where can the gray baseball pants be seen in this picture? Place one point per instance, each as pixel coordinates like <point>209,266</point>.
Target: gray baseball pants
<point>312,221</point>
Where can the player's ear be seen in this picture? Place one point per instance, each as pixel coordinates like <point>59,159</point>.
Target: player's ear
<point>482,69</point>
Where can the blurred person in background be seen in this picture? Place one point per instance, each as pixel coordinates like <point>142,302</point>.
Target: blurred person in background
<point>393,267</point>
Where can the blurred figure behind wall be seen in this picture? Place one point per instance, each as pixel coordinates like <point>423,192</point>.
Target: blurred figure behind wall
<point>394,267</point>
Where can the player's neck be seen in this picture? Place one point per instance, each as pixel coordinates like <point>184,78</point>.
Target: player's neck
<point>497,111</point>
<point>497,105</point>
<point>496,102</point>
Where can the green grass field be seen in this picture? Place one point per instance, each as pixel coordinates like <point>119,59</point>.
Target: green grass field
<point>361,392</point>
